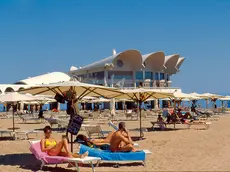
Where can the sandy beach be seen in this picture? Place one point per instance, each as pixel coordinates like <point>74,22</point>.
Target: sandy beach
<point>175,150</point>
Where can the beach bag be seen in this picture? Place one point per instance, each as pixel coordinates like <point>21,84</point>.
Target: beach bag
<point>70,110</point>
<point>59,98</point>
<point>75,124</point>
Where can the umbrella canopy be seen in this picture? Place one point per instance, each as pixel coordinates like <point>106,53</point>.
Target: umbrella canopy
<point>40,99</point>
<point>94,100</point>
<point>123,100</point>
<point>140,95</point>
<point>195,94</point>
<point>225,98</point>
<point>184,96</point>
<point>15,97</point>
<point>98,100</point>
<point>210,96</point>
<point>81,89</point>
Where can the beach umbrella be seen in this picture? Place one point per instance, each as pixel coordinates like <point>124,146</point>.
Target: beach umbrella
<point>212,97</point>
<point>99,100</point>
<point>225,98</point>
<point>14,97</point>
<point>70,89</point>
<point>140,95</point>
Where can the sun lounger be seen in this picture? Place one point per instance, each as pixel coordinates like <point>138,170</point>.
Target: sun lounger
<point>204,123</point>
<point>107,155</point>
<point>5,132</point>
<point>95,130</point>
<point>35,148</point>
<point>51,121</point>
<point>26,133</point>
<point>29,118</point>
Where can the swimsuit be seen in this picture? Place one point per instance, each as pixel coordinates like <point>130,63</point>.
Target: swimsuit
<point>50,143</point>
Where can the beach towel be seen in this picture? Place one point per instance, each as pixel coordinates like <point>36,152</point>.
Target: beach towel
<point>107,155</point>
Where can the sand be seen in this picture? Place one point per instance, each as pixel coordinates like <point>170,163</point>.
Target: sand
<point>175,150</point>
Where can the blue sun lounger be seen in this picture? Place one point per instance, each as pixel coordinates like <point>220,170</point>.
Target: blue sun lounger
<point>108,156</point>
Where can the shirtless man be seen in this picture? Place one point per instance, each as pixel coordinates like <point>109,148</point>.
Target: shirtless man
<point>121,140</point>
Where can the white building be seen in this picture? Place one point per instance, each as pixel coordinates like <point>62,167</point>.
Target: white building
<point>130,68</point>
<point>41,79</point>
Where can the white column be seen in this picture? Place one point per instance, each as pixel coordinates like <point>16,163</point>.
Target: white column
<point>134,78</point>
<point>58,106</point>
<point>112,80</point>
<point>106,78</point>
<point>156,104</point>
<point>143,74</point>
<point>153,78</point>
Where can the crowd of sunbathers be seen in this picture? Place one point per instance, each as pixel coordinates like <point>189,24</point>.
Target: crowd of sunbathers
<point>174,117</point>
<point>117,141</point>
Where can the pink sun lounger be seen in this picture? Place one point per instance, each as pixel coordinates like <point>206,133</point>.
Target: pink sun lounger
<point>35,148</point>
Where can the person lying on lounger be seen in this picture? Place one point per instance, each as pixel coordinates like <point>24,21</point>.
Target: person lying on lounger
<point>161,122</point>
<point>54,148</point>
<point>94,142</point>
<point>121,142</point>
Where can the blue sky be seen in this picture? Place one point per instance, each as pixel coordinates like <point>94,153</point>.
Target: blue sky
<point>42,36</point>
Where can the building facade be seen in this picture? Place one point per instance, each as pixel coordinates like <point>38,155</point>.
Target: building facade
<point>130,69</point>
<point>41,79</point>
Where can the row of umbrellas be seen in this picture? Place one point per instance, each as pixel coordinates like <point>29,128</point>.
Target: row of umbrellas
<point>81,90</point>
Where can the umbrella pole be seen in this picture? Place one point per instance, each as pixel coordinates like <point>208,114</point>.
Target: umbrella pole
<point>13,126</point>
<point>140,119</point>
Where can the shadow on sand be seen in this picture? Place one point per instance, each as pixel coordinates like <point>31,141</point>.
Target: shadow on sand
<point>29,162</point>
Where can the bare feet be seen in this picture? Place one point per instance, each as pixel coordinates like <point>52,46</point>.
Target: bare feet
<point>136,150</point>
<point>84,154</point>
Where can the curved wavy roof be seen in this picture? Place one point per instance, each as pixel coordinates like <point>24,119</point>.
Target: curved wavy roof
<point>170,63</point>
<point>45,79</point>
<point>179,62</point>
<point>111,60</point>
<point>131,58</point>
<point>154,61</point>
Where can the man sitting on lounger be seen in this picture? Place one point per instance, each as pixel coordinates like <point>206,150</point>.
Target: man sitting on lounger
<point>121,140</point>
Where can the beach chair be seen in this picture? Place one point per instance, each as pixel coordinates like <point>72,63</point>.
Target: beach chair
<point>108,156</point>
<point>6,132</point>
<point>51,121</point>
<point>27,118</point>
<point>62,124</point>
<point>26,133</point>
<point>35,148</point>
<point>93,130</point>
<point>200,123</point>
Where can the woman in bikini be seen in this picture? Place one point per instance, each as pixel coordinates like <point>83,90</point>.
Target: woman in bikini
<point>54,148</point>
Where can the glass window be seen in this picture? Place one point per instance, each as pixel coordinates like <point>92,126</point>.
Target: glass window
<point>120,74</point>
<point>168,77</point>
<point>162,76</point>
<point>156,76</point>
<point>148,75</point>
<point>139,75</point>
<point>119,63</point>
